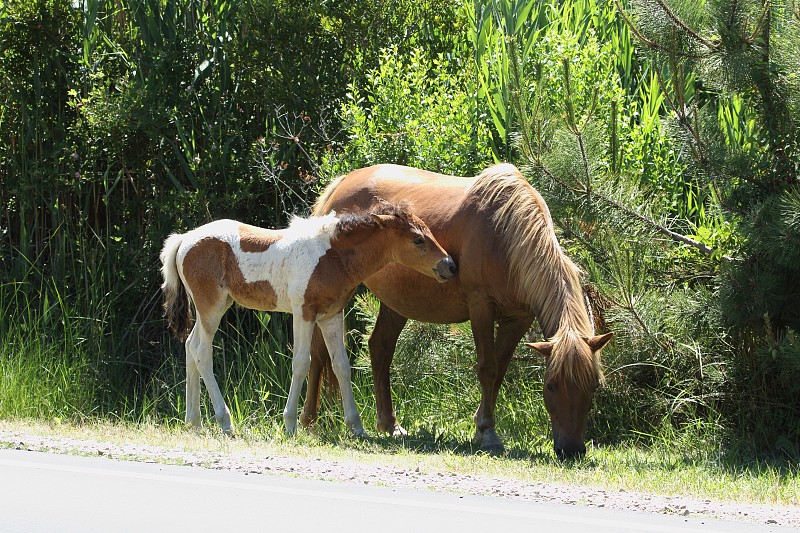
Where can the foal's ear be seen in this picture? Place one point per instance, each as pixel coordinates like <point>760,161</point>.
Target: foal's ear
<point>598,341</point>
<point>382,220</point>
<point>543,348</point>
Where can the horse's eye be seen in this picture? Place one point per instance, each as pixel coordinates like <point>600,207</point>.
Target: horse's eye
<point>419,241</point>
<point>552,387</point>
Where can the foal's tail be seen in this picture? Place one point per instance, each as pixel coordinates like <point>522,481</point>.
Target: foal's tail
<point>176,299</point>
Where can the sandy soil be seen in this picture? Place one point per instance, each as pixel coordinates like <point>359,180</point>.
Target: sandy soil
<point>393,476</point>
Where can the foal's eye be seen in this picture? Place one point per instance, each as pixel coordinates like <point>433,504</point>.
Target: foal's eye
<point>552,387</point>
<point>419,241</point>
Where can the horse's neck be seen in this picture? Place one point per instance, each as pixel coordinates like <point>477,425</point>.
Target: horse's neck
<point>362,254</point>
<point>566,312</point>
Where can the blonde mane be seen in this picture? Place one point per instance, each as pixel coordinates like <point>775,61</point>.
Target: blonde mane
<point>546,279</point>
<point>320,207</point>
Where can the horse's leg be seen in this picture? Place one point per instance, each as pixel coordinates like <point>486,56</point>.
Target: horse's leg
<point>482,317</point>
<point>301,361</point>
<point>201,342</point>
<point>509,332</point>
<point>192,385</point>
<point>382,343</point>
<point>319,359</point>
<point>333,332</point>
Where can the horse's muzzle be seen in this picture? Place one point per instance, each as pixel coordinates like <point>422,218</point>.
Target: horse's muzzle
<point>446,269</point>
<point>570,454</point>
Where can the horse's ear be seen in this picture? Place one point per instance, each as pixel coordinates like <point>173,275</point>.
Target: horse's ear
<point>380,204</point>
<point>598,341</point>
<point>382,220</point>
<point>543,348</point>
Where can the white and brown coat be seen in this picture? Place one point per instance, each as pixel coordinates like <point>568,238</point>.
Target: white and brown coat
<point>309,269</point>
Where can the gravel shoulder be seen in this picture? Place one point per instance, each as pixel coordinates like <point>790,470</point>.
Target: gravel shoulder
<point>413,478</point>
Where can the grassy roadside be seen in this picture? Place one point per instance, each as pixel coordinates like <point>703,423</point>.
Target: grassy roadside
<point>653,470</point>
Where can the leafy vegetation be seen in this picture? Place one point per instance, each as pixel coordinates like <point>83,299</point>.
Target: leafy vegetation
<point>664,136</point>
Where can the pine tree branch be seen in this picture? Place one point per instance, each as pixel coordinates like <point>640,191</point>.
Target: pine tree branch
<point>656,226</point>
<point>643,38</point>
<point>682,25</point>
<point>663,230</point>
<point>758,27</point>
<point>635,29</point>
<point>698,149</point>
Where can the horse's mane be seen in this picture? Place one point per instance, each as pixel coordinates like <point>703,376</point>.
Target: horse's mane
<point>356,220</point>
<point>320,206</point>
<point>546,279</point>
<point>312,227</point>
<point>333,225</point>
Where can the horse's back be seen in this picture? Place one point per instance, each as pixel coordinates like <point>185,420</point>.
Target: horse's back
<point>447,205</point>
<point>258,268</point>
<point>426,193</point>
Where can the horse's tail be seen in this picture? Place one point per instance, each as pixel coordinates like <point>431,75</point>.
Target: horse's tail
<point>176,299</point>
<point>321,206</point>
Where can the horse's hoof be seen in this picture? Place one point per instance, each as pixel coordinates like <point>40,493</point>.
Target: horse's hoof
<point>399,431</point>
<point>491,443</point>
<point>307,421</point>
<point>493,449</point>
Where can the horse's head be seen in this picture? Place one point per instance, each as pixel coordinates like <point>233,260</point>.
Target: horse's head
<point>572,376</point>
<point>413,243</point>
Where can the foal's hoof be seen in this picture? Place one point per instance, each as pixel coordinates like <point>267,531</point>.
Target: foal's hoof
<point>307,421</point>
<point>359,433</point>
<point>392,427</point>
<point>399,431</point>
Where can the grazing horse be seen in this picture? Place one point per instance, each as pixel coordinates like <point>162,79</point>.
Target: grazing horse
<point>512,270</point>
<point>310,269</point>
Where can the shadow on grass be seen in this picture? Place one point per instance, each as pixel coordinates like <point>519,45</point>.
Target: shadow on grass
<point>424,441</point>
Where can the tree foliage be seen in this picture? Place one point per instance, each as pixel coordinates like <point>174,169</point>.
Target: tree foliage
<point>663,134</point>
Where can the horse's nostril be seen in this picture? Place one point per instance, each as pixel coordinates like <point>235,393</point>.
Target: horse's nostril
<point>447,268</point>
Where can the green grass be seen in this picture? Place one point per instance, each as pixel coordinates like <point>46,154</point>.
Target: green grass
<point>58,374</point>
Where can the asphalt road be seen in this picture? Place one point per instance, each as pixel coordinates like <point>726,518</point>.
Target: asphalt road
<point>42,492</point>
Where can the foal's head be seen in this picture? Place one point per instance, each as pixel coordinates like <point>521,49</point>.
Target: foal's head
<point>412,243</point>
<point>572,376</point>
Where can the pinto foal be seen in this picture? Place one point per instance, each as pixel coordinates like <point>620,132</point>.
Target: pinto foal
<point>310,269</point>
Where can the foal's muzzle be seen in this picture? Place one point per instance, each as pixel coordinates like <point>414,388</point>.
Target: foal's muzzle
<point>446,269</point>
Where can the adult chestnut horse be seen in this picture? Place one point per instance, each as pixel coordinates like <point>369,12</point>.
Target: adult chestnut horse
<point>511,270</point>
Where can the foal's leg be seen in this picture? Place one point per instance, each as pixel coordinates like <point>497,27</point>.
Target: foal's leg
<point>382,344</point>
<point>301,361</point>
<point>333,332</point>
<point>200,344</point>
<point>319,359</point>
<point>192,385</point>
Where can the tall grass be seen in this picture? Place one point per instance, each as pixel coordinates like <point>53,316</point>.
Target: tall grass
<point>46,364</point>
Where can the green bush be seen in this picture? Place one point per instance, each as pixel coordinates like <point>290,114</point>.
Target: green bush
<point>413,112</point>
